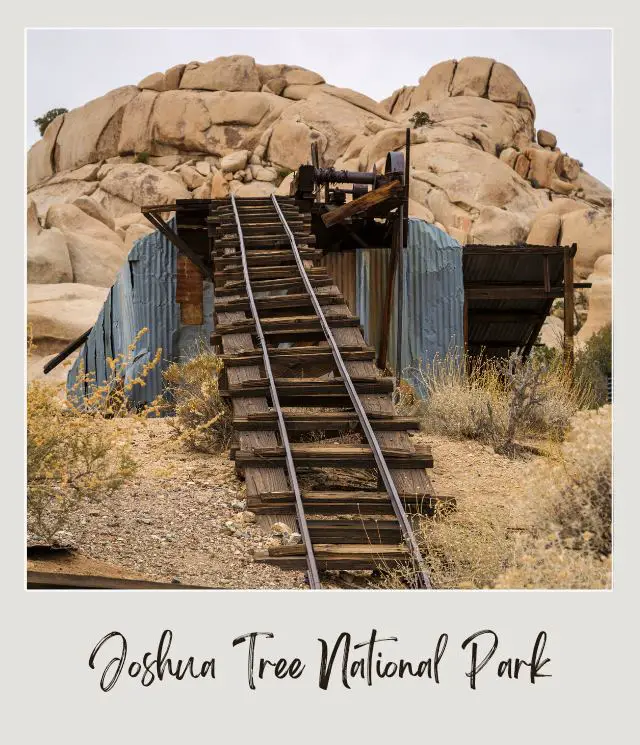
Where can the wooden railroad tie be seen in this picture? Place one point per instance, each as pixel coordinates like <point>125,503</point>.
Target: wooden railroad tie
<point>347,503</point>
<point>337,556</point>
<point>300,355</point>
<point>307,387</point>
<point>335,456</point>
<point>322,421</point>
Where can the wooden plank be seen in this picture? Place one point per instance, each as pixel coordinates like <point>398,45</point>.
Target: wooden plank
<point>338,456</point>
<point>264,258</point>
<point>302,239</point>
<point>569,310</point>
<point>296,300</point>
<point>355,530</point>
<point>237,287</point>
<point>298,356</point>
<point>284,272</point>
<point>59,580</point>
<point>340,556</point>
<point>371,199</point>
<point>348,502</point>
<point>300,387</point>
<point>284,324</point>
<point>313,421</point>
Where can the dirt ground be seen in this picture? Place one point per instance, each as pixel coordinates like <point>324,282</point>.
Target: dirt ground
<point>168,522</point>
<point>181,516</point>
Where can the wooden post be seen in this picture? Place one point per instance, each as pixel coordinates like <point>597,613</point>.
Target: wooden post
<point>385,321</point>
<point>465,322</point>
<point>568,306</point>
<point>400,292</point>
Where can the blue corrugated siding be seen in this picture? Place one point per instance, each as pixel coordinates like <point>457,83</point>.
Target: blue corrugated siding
<point>433,302</point>
<point>143,296</point>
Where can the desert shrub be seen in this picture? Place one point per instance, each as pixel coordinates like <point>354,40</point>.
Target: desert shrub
<point>142,157</point>
<point>549,563</point>
<point>569,544</point>
<point>113,397</point>
<point>468,547</point>
<point>496,401</point>
<point>42,122</point>
<point>593,364</point>
<point>282,175</point>
<point>202,418</point>
<point>420,119</point>
<point>71,459</point>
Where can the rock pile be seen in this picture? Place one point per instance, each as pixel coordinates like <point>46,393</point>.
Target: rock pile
<point>480,171</point>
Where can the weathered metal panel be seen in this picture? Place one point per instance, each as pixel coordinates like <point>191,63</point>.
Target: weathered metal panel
<point>433,296</point>
<point>143,296</point>
<point>342,267</point>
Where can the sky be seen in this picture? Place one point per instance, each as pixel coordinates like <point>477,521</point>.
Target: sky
<point>567,72</point>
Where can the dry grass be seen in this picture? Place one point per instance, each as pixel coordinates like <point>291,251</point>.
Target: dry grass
<point>547,525</point>
<point>72,459</point>
<point>202,418</point>
<point>74,455</point>
<point>493,401</point>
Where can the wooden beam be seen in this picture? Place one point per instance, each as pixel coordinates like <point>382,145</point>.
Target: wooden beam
<point>568,308</point>
<point>374,198</point>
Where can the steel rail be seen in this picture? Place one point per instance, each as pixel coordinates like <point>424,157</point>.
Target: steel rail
<point>423,579</point>
<point>314,577</point>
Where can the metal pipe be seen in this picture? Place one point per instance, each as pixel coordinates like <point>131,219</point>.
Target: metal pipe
<point>314,577</point>
<point>383,469</point>
<point>333,176</point>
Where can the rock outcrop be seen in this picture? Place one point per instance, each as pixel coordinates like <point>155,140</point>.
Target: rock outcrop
<point>480,169</point>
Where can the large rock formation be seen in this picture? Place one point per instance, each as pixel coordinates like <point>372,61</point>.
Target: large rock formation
<point>480,170</point>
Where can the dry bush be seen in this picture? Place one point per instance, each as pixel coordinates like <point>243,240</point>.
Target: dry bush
<point>468,547</point>
<point>551,564</point>
<point>71,459</point>
<point>497,401</point>
<point>559,538</point>
<point>113,397</point>
<point>202,418</point>
<point>574,493</point>
<point>74,456</point>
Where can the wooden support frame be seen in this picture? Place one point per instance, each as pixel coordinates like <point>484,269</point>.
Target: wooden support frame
<point>569,307</point>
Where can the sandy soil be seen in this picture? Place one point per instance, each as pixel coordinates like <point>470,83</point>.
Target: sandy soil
<point>168,522</point>
<point>181,517</point>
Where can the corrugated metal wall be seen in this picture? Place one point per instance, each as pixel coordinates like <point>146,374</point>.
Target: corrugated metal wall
<point>143,296</point>
<point>433,296</point>
<point>343,268</point>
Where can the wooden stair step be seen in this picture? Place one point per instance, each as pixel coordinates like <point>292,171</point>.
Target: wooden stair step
<point>265,258</point>
<point>302,239</point>
<point>253,226</point>
<point>299,355</point>
<point>338,456</point>
<point>296,300</point>
<point>284,272</point>
<point>287,323</point>
<point>322,421</point>
<point>354,530</point>
<point>297,387</point>
<point>346,503</point>
<point>336,556</point>
<point>237,287</point>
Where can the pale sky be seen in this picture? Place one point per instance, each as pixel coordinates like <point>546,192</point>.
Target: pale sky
<point>567,72</point>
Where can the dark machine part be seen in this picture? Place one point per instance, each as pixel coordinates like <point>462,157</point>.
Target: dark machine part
<point>309,177</point>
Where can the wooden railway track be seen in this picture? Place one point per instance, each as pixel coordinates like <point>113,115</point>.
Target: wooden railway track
<point>268,292</point>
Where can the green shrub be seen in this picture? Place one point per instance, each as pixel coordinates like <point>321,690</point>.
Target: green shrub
<point>142,157</point>
<point>42,122</point>
<point>593,364</point>
<point>420,119</point>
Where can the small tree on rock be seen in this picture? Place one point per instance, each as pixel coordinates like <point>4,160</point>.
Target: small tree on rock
<point>42,122</point>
